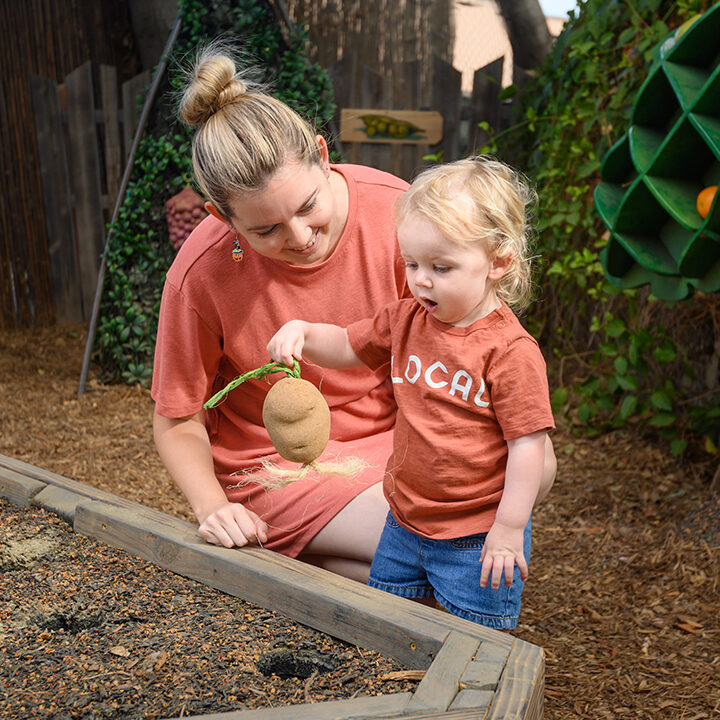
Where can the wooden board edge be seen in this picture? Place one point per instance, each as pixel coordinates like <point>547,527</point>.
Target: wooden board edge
<point>48,477</point>
<point>361,707</point>
<point>18,488</point>
<point>441,683</point>
<point>520,692</point>
<point>310,595</point>
<point>59,501</point>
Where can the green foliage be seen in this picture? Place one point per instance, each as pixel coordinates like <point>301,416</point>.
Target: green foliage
<point>140,252</point>
<point>618,357</point>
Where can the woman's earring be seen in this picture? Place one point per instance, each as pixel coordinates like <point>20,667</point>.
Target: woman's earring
<point>237,252</point>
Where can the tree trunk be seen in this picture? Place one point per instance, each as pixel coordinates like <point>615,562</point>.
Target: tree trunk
<point>528,32</point>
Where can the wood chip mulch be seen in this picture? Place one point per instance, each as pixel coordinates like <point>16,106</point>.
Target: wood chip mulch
<point>624,589</point>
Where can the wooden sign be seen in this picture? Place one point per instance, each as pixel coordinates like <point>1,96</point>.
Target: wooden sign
<point>407,127</point>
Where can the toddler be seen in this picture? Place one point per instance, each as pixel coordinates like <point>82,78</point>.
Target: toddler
<point>471,389</point>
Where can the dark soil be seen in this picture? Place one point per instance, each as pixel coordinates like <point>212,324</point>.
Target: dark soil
<point>624,589</point>
<point>91,632</point>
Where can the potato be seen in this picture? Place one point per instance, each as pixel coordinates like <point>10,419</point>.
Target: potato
<point>297,419</point>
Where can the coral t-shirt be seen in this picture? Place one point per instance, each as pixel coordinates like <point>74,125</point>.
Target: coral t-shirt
<point>462,393</point>
<point>217,317</point>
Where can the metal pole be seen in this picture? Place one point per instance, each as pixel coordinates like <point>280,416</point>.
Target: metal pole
<point>159,72</point>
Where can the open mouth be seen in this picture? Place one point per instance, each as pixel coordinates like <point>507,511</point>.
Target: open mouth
<point>429,305</point>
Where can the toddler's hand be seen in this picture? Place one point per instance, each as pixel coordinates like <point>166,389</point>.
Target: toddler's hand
<point>503,549</point>
<point>287,343</point>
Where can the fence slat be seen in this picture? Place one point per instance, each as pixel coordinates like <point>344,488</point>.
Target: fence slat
<point>375,92</point>
<point>485,103</point>
<point>130,91</point>
<point>62,255</point>
<point>447,98</point>
<point>407,160</point>
<point>84,162</point>
<point>113,149</point>
<point>343,74</point>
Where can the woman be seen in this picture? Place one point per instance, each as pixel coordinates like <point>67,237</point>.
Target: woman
<point>288,235</point>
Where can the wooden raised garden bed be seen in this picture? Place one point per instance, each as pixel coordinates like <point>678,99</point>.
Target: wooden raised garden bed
<point>472,671</point>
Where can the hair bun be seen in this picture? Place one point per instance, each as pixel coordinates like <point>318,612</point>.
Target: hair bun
<point>214,83</point>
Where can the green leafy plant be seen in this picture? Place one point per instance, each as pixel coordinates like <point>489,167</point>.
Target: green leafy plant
<point>140,251</point>
<point>617,358</point>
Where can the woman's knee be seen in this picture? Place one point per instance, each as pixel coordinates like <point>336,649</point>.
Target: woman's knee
<point>355,531</point>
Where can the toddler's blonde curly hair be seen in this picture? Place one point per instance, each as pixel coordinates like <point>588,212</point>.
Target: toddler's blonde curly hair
<point>480,199</point>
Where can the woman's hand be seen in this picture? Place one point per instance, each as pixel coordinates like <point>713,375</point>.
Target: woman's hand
<point>288,342</point>
<point>503,549</point>
<point>231,525</point>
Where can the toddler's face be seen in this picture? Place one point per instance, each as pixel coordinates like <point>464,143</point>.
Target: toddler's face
<point>454,282</point>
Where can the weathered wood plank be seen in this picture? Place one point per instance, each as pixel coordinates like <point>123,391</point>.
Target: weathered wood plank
<point>407,161</point>
<point>442,681</point>
<point>130,111</point>
<point>485,103</point>
<point>447,95</point>
<point>343,73</point>
<point>84,163</point>
<point>62,253</point>
<point>17,488</point>
<point>314,597</point>
<point>362,707</point>
<point>87,491</point>
<point>375,91</point>
<point>519,693</point>
<point>484,671</point>
<point>113,148</point>
<point>497,641</point>
<point>403,629</point>
<point>479,700</point>
<point>58,500</point>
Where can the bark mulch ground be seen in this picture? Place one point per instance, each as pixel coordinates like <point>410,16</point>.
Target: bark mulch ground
<point>624,590</point>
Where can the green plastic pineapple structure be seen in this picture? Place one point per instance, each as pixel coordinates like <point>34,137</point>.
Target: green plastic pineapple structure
<point>652,176</point>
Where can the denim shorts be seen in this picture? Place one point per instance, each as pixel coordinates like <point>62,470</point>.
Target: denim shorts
<point>412,566</point>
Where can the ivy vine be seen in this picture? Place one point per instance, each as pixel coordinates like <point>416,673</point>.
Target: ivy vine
<point>621,358</point>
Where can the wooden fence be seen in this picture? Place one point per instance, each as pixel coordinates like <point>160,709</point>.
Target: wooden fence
<point>358,86</point>
<point>48,38</point>
<point>82,151</point>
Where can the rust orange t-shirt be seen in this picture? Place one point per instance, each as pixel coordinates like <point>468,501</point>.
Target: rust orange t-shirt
<point>216,319</point>
<point>462,393</point>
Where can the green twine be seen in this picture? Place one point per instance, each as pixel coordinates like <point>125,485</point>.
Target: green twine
<point>267,369</point>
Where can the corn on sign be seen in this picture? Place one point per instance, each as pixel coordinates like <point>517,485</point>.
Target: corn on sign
<point>408,127</point>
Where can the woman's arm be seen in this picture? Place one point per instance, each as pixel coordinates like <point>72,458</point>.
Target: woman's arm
<point>184,447</point>
<point>320,343</point>
<point>503,546</point>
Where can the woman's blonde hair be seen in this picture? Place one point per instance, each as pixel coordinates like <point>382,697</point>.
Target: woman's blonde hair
<point>244,134</point>
<point>479,199</point>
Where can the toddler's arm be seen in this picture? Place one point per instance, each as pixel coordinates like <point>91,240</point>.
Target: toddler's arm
<point>504,543</point>
<point>320,343</point>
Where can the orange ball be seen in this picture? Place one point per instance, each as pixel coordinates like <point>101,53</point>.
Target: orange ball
<point>705,200</point>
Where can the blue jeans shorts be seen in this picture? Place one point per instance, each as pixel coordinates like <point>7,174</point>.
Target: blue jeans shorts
<point>412,566</point>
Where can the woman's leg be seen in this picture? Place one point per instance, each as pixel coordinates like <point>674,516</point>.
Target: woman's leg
<point>346,545</point>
